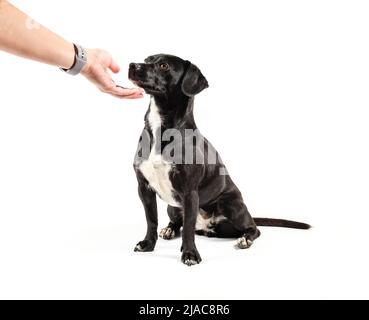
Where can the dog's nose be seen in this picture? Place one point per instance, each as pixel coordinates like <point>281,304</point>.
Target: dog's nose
<point>134,66</point>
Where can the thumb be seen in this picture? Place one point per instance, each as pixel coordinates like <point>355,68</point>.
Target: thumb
<point>114,66</point>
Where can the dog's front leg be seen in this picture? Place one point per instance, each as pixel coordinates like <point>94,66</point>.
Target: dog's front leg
<point>190,255</point>
<point>148,198</point>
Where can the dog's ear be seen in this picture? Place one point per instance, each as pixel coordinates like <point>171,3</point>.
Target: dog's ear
<point>193,81</point>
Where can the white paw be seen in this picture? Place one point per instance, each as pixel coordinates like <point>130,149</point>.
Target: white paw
<point>190,262</point>
<point>243,243</point>
<point>167,233</point>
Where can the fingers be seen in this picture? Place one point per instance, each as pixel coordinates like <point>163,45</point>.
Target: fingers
<point>120,92</point>
<point>136,95</point>
<point>108,85</point>
<point>98,73</point>
<point>124,92</point>
<point>131,97</point>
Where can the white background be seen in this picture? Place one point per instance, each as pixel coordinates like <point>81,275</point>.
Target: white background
<point>287,109</point>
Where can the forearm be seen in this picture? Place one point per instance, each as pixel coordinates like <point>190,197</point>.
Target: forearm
<point>18,36</point>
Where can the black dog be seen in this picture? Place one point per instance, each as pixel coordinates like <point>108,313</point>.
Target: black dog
<point>184,169</point>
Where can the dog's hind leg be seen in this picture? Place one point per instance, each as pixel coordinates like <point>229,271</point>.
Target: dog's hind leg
<point>239,221</point>
<point>175,223</point>
<point>244,223</point>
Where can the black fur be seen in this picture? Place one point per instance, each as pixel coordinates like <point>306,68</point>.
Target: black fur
<point>173,83</point>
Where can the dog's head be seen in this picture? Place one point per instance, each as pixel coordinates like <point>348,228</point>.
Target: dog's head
<point>166,75</point>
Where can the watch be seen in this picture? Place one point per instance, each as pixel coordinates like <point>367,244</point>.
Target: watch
<point>80,60</point>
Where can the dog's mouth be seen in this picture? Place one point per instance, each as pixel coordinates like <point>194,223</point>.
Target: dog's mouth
<point>135,76</point>
<point>136,82</point>
<point>136,79</point>
<point>142,84</point>
<point>148,89</point>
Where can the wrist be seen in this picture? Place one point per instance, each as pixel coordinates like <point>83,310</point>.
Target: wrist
<point>89,62</point>
<point>80,60</point>
<point>67,56</point>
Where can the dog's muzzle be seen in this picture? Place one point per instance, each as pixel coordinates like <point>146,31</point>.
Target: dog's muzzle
<point>135,71</point>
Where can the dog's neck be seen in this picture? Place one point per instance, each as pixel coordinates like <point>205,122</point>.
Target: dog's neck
<point>176,113</point>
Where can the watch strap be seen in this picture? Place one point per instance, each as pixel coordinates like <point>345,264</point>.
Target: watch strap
<point>80,60</point>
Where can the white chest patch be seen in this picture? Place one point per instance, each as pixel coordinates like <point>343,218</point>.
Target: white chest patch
<point>155,169</point>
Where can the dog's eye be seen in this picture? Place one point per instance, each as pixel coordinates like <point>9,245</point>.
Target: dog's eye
<point>164,66</point>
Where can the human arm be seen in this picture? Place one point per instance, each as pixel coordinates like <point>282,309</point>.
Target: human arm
<point>23,37</point>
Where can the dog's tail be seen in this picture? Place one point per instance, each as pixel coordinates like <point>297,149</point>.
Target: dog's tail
<point>267,222</point>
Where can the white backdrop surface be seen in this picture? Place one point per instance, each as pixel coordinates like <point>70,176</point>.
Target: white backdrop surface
<point>287,109</point>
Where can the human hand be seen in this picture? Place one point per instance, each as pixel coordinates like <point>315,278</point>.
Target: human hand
<point>96,71</point>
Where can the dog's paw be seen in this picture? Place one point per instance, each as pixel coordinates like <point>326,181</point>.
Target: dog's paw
<point>167,233</point>
<point>191,257</point>
<point>243,243</point>
<point>145,246</point>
